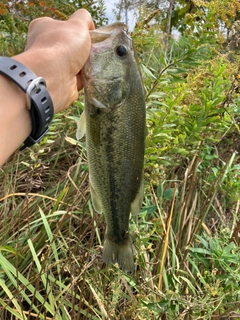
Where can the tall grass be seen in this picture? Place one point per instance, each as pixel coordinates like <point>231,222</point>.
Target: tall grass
<point>51,240</point>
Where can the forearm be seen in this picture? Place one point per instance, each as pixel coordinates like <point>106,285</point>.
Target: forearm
<point>15,121</point>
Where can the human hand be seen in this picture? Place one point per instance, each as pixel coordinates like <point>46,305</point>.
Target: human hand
<point>57,51</point>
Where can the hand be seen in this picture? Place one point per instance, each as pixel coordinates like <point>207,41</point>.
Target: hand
<point>57,51</point>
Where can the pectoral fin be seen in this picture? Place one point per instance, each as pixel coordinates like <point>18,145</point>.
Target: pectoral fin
<point>137,202</point>
<point>97,104</point>
<point>97,205</point>
<point>81,126</point>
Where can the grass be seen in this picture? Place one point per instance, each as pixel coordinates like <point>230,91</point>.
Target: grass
<point>51,242</point>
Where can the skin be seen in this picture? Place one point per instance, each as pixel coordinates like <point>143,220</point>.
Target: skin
<point>56,51</point>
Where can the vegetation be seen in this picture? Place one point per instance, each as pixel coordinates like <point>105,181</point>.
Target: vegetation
<point>186,236</point>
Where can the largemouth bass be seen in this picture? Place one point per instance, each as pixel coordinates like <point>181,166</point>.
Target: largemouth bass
<point>114,121</point>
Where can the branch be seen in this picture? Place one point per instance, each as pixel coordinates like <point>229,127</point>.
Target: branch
<point>169,19</point>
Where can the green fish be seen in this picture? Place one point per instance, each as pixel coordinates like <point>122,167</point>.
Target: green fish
<point>114,121</point>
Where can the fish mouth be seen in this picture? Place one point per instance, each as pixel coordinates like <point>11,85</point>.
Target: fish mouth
<point>106,32</point>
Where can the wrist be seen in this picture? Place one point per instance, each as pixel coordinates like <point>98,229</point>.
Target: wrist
<point>35,61</point>
<point>44,63</point>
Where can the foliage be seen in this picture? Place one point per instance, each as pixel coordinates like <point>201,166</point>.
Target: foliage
<point>15,17</point>
<point>182,14</point>
<point>186,235</point>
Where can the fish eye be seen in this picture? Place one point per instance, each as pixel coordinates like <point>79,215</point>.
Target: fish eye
<point>121,51</point>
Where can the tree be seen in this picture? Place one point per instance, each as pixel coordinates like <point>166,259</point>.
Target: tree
<point>182,14</point>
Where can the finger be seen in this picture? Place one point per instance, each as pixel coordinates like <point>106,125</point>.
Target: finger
<point>79,82</point>
<point>82,15</point>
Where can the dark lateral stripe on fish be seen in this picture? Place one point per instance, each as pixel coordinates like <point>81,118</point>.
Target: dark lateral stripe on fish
<point>114,198</point>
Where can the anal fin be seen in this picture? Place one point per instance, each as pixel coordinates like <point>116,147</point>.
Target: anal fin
<point>137,202</point>
<point>97,205</point>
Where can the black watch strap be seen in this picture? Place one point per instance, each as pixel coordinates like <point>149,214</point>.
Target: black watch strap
<point>39,101</point>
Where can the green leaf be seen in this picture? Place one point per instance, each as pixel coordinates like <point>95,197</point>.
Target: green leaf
<point>17,312</point>
<point>200,250</point>
<point>160,191</point>
<point>148,72</point>
<point>71,140</point>
<point>16,278</point>
<point>7,248</point>
<point>183,10</point>
<point>149,209</point>
<point>168,194</point>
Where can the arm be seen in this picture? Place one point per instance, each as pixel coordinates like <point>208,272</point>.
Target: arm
<point>56,51</point>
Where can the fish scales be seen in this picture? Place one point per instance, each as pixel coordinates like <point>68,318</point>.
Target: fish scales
<point>115,135</point>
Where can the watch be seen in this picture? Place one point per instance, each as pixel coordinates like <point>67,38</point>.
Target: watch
<point>39,101</point>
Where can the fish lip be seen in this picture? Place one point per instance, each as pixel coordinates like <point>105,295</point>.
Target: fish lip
<point>107,32</point>
<point>101,42</point>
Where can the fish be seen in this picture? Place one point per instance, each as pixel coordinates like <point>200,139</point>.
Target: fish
<point>114,121</point>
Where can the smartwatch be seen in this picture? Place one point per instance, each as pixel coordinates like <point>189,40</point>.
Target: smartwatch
<point>39,101</point>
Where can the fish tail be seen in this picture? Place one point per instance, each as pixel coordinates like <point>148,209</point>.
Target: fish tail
<point>119,253</point>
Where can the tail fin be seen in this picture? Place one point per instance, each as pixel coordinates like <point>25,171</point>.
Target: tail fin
<point>122,254</point>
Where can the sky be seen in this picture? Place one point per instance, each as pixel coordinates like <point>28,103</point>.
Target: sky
<point>110,5</point>
<point>109,10</point>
